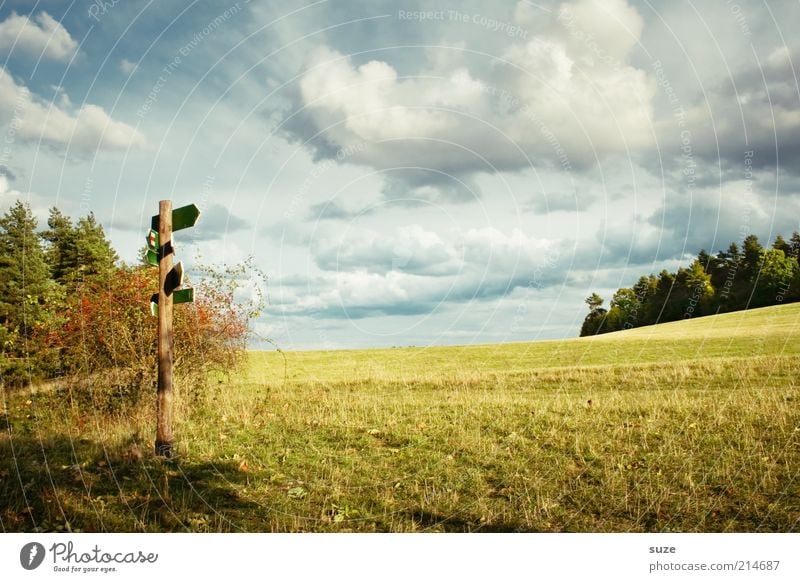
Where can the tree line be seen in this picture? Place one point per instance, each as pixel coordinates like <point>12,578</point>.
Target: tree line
<point>740,277</point>
<point>69,308</point>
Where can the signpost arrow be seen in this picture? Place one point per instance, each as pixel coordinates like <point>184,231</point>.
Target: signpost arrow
<point>179,296</point>
<point>183,217</point>
<point>183,295</point>
<point>152,258</point>
<point>152,248</point>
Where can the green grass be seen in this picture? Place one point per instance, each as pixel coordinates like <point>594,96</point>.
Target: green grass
<point>686,426</point>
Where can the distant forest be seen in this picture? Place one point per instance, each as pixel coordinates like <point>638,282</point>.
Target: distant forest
<point>738,278</point>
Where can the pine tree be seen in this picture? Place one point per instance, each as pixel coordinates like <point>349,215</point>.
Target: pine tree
<point>61,245</point>
<point>794,245</point>
<point>781,245</point>
<point>752,255</point>
<point>94,254</point>
<point>24,288</point>
<point>593,324</point>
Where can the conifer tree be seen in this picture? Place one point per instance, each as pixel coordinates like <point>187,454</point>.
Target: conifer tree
<point>61,240</point>
<point>24,288</point>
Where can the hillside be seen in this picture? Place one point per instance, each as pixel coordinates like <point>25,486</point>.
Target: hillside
<point>767,331</point>
<point>687,426</point>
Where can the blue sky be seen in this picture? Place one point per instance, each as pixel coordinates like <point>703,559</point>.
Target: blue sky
<point>410,173</point>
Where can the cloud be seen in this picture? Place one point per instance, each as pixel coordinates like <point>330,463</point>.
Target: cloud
<point>547,202</point>
<point>5,188</point>
<point>216,221</point>
<point>83,131</point>
<point>335,210</point>
<point>415,271</point>
<point>127,66</point>
<point>714,218</point>
<point>756,109</point>
<point>411,249</point>
<point>551,100</point>
<point>40,36</point>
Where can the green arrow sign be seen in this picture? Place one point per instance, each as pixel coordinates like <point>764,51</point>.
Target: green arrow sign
<point>182,217</point>
<point>183,295</point>
<point>152,258</point>
<point>179,296</point>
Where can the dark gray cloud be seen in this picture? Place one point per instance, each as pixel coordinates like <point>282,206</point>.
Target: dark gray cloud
<point>8,173</point>
<point>546,202</point>
<point>216,222</point>
<point>755,109</point>
<point>335,210</point>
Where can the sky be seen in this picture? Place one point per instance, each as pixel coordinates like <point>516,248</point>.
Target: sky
<point>411,173</point>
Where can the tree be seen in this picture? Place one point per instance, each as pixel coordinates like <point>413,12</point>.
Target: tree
<point>625,307</point>
<point>704,258</point>
<point>645,289</point>
<point>77,251</point>
<point>697,290</point>
<point>94,253</point>
<point>658,302</point>
<point>752,254</point>
<point>24,290</point>
<point>781,245</point>
<point>794,245</point>
<point>594,301</point>
<point>732,279</point>
<point>777,279</point>
<point>61,240</point>
<point>593,324</point>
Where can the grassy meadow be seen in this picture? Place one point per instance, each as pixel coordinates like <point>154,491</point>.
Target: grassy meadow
<point>684,426</point>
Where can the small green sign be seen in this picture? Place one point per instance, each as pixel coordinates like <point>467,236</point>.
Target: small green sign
<point>152,240</point>
<point>183,295</point>
<point>179,296</point>
<point>152,258</point>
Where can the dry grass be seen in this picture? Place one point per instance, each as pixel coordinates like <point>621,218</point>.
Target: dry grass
<point>678,431</point>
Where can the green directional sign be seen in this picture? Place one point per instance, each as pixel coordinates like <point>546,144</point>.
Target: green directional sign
<point>152,247</point>
<point>183,217</point>
<point>152,258</point>
<point>183,295</point>
<point>152,240</point>
<point>179,296</point>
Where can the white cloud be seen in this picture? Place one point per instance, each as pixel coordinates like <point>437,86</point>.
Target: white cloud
<point>412,271</point>
<point>601,26</point>
<point>5,189</point>
<point>39,35</point>
<point>127,66</point>
<point>85,130</point>
<point>411,249</point>
<point>564,97</point>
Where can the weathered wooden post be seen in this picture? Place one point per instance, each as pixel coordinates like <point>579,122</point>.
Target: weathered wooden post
<point>165,336</point>
<point>159,252</point>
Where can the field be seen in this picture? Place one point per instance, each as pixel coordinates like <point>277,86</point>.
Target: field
<point>686,426</point>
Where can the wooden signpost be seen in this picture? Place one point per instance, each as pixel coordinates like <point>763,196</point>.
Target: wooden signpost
<point>159,252</point>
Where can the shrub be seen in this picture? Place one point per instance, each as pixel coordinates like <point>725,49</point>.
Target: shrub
<point>108,336</point>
